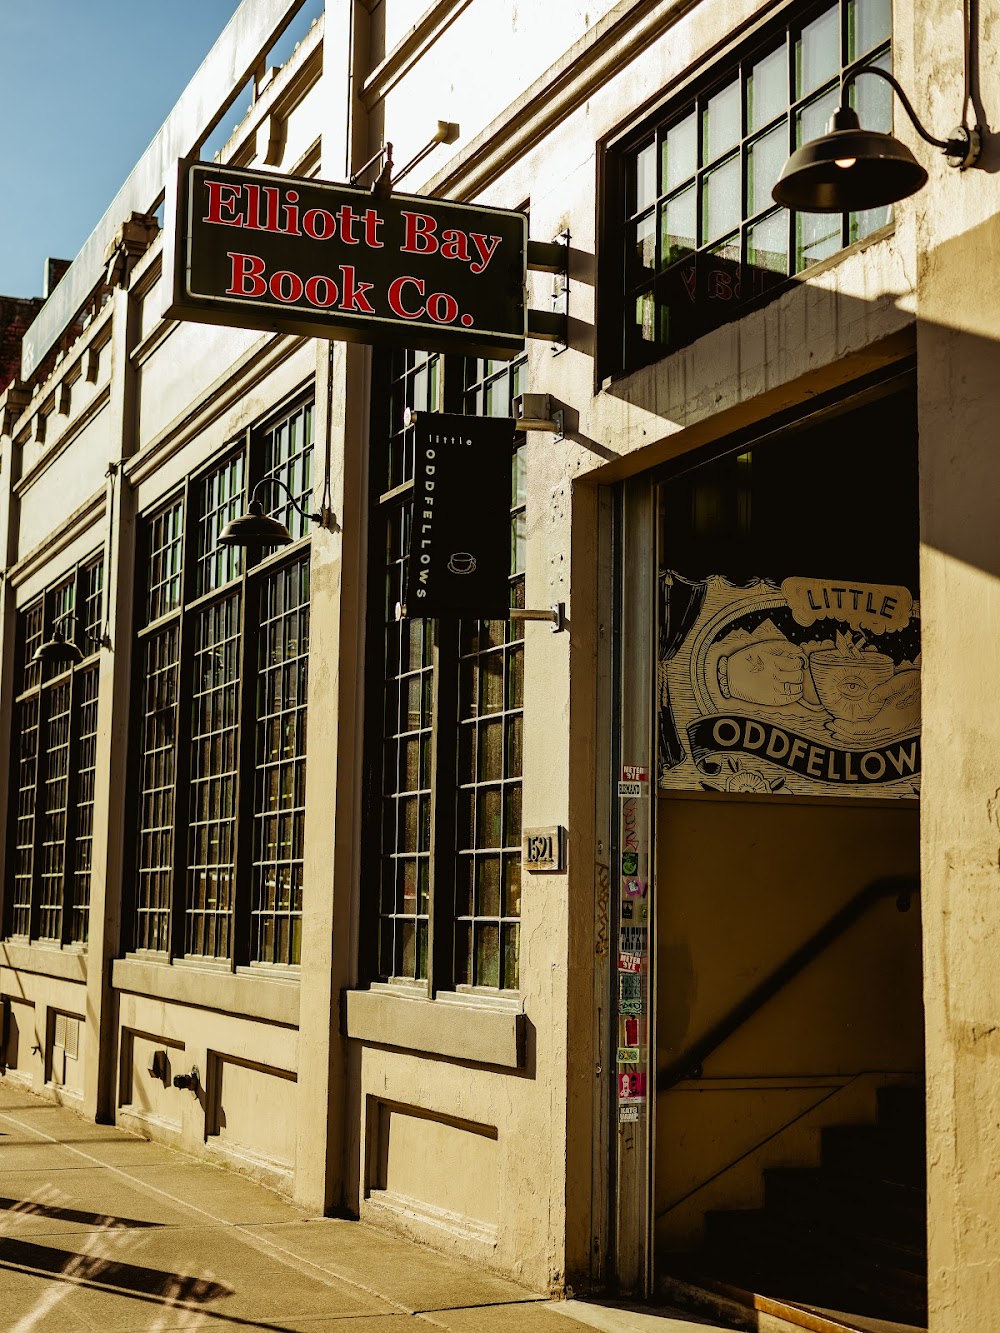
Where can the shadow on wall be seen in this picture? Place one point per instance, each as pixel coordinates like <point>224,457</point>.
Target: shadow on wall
<point>740,369</point>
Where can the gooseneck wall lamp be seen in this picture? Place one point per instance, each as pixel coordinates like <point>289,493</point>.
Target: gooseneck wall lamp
<point>447,132</point>
<point>849,168</point>
<point>255,528</point>
<point>58,651</point>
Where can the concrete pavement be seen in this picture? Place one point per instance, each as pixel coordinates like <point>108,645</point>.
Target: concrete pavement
<point>100,1230</point>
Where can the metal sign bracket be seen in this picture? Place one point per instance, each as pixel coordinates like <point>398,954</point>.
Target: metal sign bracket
<point>553,324</point>
<point>556,614</point>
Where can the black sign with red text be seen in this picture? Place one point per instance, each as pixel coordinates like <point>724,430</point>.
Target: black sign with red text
<point>253,249</point>
<point>459,555</point>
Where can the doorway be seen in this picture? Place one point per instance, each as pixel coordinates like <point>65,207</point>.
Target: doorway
<point>788,1145</point>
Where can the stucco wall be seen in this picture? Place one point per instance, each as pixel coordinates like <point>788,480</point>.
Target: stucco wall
<point>529,136</point>
<point>957,358</point>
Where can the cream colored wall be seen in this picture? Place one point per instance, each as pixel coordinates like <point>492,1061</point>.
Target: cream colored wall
<point>245,1110</point>
<point>33,998</point>
<point>240,1032</point>
<point>509,47</point>
<point>166,400</point>
<point>958,340</point>
<point>740,885</point>
<point>854,315</point>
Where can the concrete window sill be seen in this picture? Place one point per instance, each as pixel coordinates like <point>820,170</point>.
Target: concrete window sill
<point>246,996</point>
<point>47,960</point>
<point>479,1033</point>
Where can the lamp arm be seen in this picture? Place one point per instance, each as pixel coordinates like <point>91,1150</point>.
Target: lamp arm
<point>851,73</point>
<point>276,481</point>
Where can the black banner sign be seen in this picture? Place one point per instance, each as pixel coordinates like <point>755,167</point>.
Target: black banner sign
<point>825,763</point>
<point>288,254</point>
<point>459,557</point>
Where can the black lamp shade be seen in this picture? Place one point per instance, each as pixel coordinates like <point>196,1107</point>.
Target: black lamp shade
<point>882,170</point>
<point>254,528</point>
<point>57,651</point>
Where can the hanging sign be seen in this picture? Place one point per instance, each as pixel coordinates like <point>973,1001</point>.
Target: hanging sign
<point>810,687</point>
<point>459,557</point>
<point>288,254</point>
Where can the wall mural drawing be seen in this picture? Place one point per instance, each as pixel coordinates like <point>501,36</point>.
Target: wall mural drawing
<point>807,687</point>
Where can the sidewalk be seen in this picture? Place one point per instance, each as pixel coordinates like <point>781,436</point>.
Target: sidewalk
<point>100,1230</point>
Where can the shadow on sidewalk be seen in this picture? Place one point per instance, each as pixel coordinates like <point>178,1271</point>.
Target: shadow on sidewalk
<point>30,1208</point>
<point>106,1274</point>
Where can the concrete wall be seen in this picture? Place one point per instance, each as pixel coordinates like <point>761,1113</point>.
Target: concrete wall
<point>154,403</point>
<point>957,337</point>
<point>502,1086</point>
<point>957,334</point>
<point>514,1092</point>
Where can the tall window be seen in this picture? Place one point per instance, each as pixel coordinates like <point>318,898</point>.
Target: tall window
<point>54,762</point>
<point>445,783</point>
<point>221,715</point>
<point>703,238</point>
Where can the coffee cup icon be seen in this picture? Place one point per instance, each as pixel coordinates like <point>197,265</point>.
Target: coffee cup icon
<point>844,682</point>
<point>461,562</point>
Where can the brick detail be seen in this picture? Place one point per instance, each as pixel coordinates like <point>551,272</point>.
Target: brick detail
<point>16,315</point>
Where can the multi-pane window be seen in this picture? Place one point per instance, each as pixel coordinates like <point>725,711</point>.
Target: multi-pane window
<point>213,776</point>
<point>447,777</point>
<point>54,764</point>
<point>408,716</point>
<point>280,805</point>
<point>221,715</point>
<point>703,238</point>
<point>490,706</point>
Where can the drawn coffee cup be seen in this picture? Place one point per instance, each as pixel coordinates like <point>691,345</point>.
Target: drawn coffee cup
<point>844,681</point>
<point>462,562</point>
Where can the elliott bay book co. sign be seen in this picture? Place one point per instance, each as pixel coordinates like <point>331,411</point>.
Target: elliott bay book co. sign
<point>292,255</point>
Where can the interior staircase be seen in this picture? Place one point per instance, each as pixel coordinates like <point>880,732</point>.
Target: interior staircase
<point>846,1236</point>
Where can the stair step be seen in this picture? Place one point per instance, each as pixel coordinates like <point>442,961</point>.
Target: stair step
<point>901,1106</point>
<point>875,1152</point>
<point>813,1264</point>
<point>742,1308</point>
<point>751,1230</point>
<point>847,1235</point>
<point>850,1202</point>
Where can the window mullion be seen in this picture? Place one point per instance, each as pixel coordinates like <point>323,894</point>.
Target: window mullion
<point>182,737</point>
<point>41,752</point>
<point>444,767</point>
<point>72,767</point>
<point>69,827</point>
<point>246,742</point>
<point>246,731</point>
<point>452,385</point>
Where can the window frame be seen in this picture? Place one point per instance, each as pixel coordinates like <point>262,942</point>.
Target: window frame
<point>731,59</point>
<point>78,593</point>
<point>248,584</point>
<point>442,659</point>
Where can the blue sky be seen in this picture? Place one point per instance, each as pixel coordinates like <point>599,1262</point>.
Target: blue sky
<point>84,86</point>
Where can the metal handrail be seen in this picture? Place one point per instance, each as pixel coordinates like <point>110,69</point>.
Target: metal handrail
<point>689,1065</point>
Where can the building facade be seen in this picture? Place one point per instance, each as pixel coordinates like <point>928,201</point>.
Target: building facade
<point>265,838</point>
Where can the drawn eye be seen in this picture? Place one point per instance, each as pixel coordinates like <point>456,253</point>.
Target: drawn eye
<point>851,687</point>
